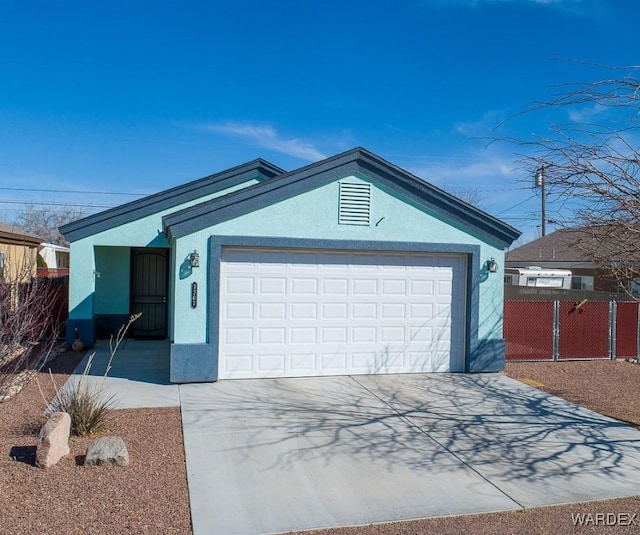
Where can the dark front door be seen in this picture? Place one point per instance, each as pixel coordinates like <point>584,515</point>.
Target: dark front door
<point>149,281</point>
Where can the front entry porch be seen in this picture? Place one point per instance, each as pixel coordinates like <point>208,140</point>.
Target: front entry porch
<point>139,374</point>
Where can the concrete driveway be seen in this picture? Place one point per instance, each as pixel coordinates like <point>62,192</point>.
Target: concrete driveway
<point>269,456</point>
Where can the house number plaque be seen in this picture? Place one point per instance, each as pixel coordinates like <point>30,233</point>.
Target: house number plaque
<point>194,294</point>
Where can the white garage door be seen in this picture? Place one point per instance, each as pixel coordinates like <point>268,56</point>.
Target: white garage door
<point>291,313</point>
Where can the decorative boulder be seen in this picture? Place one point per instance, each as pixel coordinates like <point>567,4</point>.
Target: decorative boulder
<point>107,450</point>
<point>53,441</point>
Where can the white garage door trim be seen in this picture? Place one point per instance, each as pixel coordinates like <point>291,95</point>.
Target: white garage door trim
<point>303,312</point>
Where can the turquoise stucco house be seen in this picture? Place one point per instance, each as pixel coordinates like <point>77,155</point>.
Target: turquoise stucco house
<point>350,265</point>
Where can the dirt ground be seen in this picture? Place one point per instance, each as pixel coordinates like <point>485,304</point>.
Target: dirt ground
<point>150,495</point>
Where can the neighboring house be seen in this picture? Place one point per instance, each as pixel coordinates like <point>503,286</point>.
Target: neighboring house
<point>564,249</point>
<point>56,258</point>
<point>346,266</point>
<point>18,254</point>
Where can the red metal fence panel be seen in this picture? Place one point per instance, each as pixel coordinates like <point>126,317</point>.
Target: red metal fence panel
<point>626,330</point>
<point>528,330</point>
<point>584,330</point>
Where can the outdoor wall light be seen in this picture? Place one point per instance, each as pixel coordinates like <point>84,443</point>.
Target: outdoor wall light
<point>194,259</point>
<point>492,265</point>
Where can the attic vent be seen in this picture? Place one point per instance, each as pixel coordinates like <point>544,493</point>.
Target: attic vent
<point>355,204</point>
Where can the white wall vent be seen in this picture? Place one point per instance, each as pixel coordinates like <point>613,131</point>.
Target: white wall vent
<point>355,204</point>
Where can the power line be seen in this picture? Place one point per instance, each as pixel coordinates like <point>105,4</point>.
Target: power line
<point>53,203</point>
<point>74,191</point>
<point>518,204</point>
<point>499,189</point>
<point>456,189</point>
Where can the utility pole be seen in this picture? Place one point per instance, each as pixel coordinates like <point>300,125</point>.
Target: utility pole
<point>543,198</point>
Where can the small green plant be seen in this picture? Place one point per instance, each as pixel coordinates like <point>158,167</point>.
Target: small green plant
<point>87,404</point>
<point>41,262</point>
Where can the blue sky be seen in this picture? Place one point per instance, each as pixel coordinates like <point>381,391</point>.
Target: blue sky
<point>135,97</point>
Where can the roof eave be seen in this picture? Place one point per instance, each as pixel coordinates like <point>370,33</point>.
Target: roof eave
<point>354,161</point>
<point>166,199</point>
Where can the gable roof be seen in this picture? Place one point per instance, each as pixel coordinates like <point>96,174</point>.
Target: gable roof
<point>11,234</point>
<point>559,246</point>
<point>357,161</point>
<point>170,198</point>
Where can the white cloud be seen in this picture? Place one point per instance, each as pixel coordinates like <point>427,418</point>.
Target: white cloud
<point>586,113</point>
<point>466,172</point>
<point>578,7</point>
<point>481,2</point>
<point>267,137</point>
<point>484,126</point>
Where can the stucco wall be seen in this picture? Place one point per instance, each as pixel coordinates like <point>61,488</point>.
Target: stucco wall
<point>314,215</point>
<point>113,270</point>
<point>104,254</point>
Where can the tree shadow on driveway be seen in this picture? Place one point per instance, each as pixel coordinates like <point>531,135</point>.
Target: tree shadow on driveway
<point>535,448</point>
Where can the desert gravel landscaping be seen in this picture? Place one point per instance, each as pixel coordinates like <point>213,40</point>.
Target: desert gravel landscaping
<point>147,497</point>
<point>150,495</point>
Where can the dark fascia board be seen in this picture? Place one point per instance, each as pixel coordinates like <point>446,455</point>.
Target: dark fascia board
<point>357,161</point>
<point>169,198</point>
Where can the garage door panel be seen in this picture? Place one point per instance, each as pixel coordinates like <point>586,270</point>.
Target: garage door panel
<point>303,335</point>
<point>299,313</point>
<point>304,311</point>
<point>334,286</point>
<point>239,311</point>
<point>237,364</point>
<point>235,285</point>
<point>333,361</point>
<point>365,287</point>
<point>364,311</point>
<point>304,286</point>
<point>363,361</point>
<point>333,311</point>
<point>391,311</point>
<point>393,287</point>
<point>422,287</point>
<point>238,336</point>
<point>363,335</point>
<point>305,364</point>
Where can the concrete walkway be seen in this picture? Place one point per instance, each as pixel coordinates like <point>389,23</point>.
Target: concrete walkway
<point>139,374</point>
<point>271,456</point>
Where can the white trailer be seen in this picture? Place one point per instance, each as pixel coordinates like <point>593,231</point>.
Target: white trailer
<point>538,277</point>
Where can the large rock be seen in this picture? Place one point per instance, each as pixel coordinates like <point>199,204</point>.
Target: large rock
<point>107,450</point>
<point>53,441</point>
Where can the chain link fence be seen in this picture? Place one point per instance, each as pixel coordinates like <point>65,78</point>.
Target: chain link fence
<point>565,330</point>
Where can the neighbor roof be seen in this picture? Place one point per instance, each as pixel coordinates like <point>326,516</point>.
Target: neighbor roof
<point>559,246</point>
<point>357,161</point>
<point>170,198</point>
<point>15,235</point>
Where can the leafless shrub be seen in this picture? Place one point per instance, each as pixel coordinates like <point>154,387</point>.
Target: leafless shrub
<point>29,322</point>
<point>88,404</point>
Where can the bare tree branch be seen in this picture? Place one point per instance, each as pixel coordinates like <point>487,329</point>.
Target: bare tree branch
<point>29,321</point>
<point>591,167</point>
<point>44,221</point>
